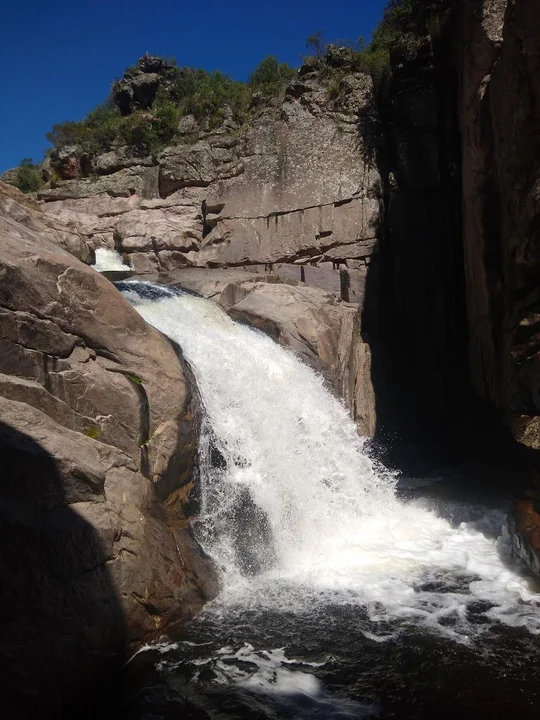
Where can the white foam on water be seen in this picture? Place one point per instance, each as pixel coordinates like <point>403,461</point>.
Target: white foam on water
<point>107,259</point>
<point>271,673</point>
<point>333,527</point>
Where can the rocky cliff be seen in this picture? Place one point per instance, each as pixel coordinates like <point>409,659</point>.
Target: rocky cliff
<point>98,431</point>
<point>292,193</point>
<point>500,122</point>
<point>499,99</point>
<point>386,232</point>
<point>459,273</point>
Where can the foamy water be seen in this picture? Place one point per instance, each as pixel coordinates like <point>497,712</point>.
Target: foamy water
<point>107,259</point>
<point>296,514</point>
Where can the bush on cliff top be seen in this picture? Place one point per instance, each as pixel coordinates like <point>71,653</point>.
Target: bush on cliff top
<point>28,176</point>
<point>206,95</point>
<point>405,26</point>
<point>407,23</point>
<point>270,77</point>
<point>183,91</point>
<point>213,96</point>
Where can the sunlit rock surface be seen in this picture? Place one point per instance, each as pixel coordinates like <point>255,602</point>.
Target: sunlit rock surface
<point>98,430</point>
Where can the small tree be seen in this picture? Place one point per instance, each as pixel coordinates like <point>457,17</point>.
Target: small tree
<point>316,44</point>
<point>270,77</point>
<point>28,178</point>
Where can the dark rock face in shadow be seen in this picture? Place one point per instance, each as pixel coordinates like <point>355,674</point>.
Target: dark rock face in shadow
<point>414,313</point>
<point>420,316</point>
<point>59,606</point>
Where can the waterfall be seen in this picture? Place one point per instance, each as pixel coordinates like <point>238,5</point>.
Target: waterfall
<point>288,492</point>
<point>107,259</point>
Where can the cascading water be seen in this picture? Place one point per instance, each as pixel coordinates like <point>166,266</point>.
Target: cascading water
<point>300,520</point>
<point>108,259</point>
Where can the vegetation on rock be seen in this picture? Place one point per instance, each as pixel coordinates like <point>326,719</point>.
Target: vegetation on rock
<point>270,77</point>
<point>145,107</point>
<point>210,97</point>
<point>28,176</point>
<point>406,24</point>
<point>405,27</point>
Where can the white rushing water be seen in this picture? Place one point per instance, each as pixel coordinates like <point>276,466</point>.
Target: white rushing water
<point>108,259</point>
<point>294,511</point>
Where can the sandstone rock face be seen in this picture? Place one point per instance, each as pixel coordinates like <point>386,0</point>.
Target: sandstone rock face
<point>17,210</point>
<point>294,193</point>
<point>313,323</point>
<point>98,430</point>
<point>121,158</point>
<point>69,162</point>
<point>9,176</point>
<point>297,185</point>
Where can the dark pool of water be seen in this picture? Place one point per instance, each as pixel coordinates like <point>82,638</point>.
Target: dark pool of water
<point>331,661</point>
<point>415,675</point>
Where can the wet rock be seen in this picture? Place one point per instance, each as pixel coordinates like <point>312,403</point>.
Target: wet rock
<point>524,527</point>
<point>252,535</point>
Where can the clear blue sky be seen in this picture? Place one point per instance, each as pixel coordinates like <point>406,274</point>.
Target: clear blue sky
<point>61,56</point>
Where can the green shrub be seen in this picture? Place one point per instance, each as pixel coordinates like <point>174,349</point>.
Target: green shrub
<point>166,116</point>
<point>28,177</point>
<point>333,87</point>
<point>102,125</point>
<point>135,379</point>
<point>270,77</point>
<point>205,95</point>
<point>183,91</point>
<point>375,61</point>
<point>316,44</point>
<point>137,129</point>
<point>67,133</point>
<point>407,23</point>
<point>94,133</point>
<point>94,431</point>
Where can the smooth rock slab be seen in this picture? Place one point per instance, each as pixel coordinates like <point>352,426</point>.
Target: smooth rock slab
<point>98,435</point>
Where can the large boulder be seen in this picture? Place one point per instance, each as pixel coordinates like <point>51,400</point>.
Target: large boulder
<point>138,88</point>
<point>70,162</point>
<point>98,432</point>
<point>18,211</point>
